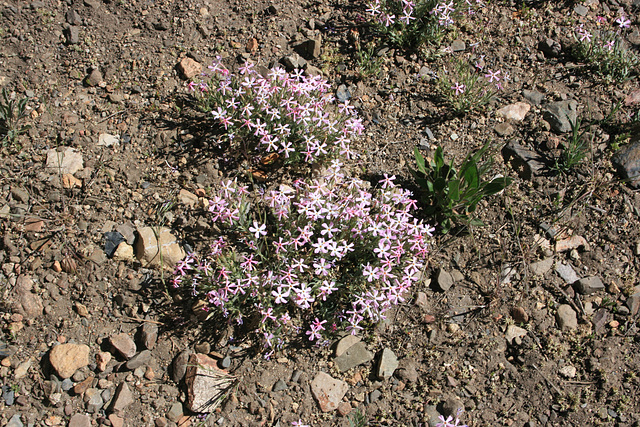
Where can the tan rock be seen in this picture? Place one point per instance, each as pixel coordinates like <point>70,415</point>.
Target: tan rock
<point>66,359</point>
<point>328,391</point>
<point>187,198</point>
<point>189,68</point>
<point>124,252</point>
<point>27,303</point>
<point>70,181</point>
<point>102,360</point>
<point>164,251</point>
<point>206,383</point>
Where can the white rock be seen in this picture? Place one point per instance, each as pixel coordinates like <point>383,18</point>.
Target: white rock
<point>69,160</point>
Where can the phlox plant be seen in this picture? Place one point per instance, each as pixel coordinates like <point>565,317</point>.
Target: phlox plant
<point>410,24</point>
<point>466,88</point>
<point>603,50</point>
<point>291,115</point>
<point>322,254</point>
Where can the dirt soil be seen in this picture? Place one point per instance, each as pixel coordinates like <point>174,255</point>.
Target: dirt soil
<point>490,328</point>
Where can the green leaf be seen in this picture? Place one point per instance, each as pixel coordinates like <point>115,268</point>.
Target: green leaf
<point>419,160</point>
<point>496,186</point>
<point>471,176</point>
<point>454,189</point>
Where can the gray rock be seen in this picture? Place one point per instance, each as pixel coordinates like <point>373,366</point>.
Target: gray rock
<point>310,48</point>
<point>8,395</point>
<point>123,397</point>
<point>345,343</point>
<point>525,162</point>
<point>206,383</point>
<point>581,9</point>
<point>225,363</point>
<point>94,78</point>
<point>93,400</point>
<point>149,335</point>
<point>407,370</point>
<point>123,344</point>
<point>375,396</point>
<point>343,94</point>
<point>533,96</point>
<point>180,366</point>
<point>433,416</point>
<point>203,348</point>
<point>73,18</point>
<point>589,285</point>
<point>141,359</point>
<point>627,162</point>
<point>561,115</point>
<point>280,385</point>
<point>458,45</point>
<point>328,391</point>
<point>443,280</point>
<point>550,47</point>
<point>20,195</point>
<point>175,412</point>
<point>355,355</point>
<point>15,421</point>
<point>452,407</point>
<point>633,303</point>
<point>293,62</point>
<point>515,112</point>
<point>67,384</point>
<point>72,34</point>
<point>504,129</point>
<point>80,420</point>
<point>387,365</point>
<point>566,318</point>
<point>539,268</point>
<point>567,273</point>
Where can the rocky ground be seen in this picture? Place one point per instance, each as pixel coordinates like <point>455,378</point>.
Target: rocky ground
<point>528,321</point>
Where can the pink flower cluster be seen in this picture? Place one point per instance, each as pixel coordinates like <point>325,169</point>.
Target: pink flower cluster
<point>280,113</point>
<point>329,250</point>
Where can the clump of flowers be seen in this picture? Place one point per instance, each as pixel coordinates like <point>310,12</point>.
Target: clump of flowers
<point>291,115</point>
<point>324,254</point>
<point>466,88</point>
<point>603,50</point>
<point>411,24</point>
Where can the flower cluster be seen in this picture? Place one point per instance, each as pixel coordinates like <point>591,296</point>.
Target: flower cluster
<point>604,51</point>
<point>288,114</point>
<point>466,88</point>
<point>411,24</point>
<point>328,250</point>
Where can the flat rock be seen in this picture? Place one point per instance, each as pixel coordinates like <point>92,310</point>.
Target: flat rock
<point>525,163</point>
<point>345,343</point>
<point>66,359</point>
<point>187,198</point>
<point>443,280</point>
<point>514,332</point>
<point>123,397</point>
<point>80,420</point>
<point>540,268</point>
<point>533,96</point>
<point>27,303</point>
<point>567,273</point>
<point>573,242</point>
<point>149,335</point>
<point>123,344</point>
<point>116,421</point>
<point>328,391</point>
<point>140,359</point>
<point>206,383</point>
<point>107,140</point>
<point>589,285</point>
<point>66,161</point>
<point>561,115</point>
<point>633,303</point>
<point>175,412</point>
<point>355,355</point>
<point>179,366</point>
<point>515,112</point>
<point>627,162</point>
<point>387,365</point>
<point>164,252</point>
<point>15,421</point>
<point>407,370</point>
<point>566,318</point>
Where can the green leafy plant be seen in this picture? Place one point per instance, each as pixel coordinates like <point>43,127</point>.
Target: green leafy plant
<point>575,149</point>
<point>357,419</point>
<point>11,113</point>
<point>466,88</point>
<point>605,53</point>
<point>452,195</point>
<point>368,62</point>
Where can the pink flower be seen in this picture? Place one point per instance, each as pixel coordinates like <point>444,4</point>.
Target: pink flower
<point>623,22</point>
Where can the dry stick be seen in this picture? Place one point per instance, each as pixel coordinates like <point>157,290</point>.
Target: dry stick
<point>552,385</point>
<point>144,320</point>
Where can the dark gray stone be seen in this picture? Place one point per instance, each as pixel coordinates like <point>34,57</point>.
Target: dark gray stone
<point>526,163</point>
<point>355,355</point>
<point>140,359</point>
<point>180,366</point>
<point>73,18</point>
<point>533,96</point>
<point>589,285</point>
<point>343,94</point>
<point>627,162</point>
<point>280,385</point>
<point>562,115</point>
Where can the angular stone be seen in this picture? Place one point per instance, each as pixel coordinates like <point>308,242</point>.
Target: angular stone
<point>206,383</point>
<point>149,335</point>
<point>124,252</point>
<point>573,242</point>
<point>562,115</point>
<point>627,162</point>
<point>73,17</point>
<point>94,78</point>
<point>567,273</point>
<point>67,161</point>
<point>102,360</point>
<point>355,355</point>
<point>526,163</point>
<point>387,365</point>
<point>293,62</point>
<point>589,285</point>
<point>22,369</point>
<point>345,343</point>
<point>140,359</point>
<point>116,421</point>
<point>514,332</point>
<point>175,412</point>
<point>82,386</point>
<point>407,370</point>
<point>187,198</point>
<point>66,359</point>
<point>310,48</point>
<point>189,68</point>
<point>93,400</point>
<point>164,252</point>
<point>443,280</point>
<point>533,96</point>
<point>633,303</point>
<point>328,391</point>
<point>539,268</point>
<point>515,112</point>
<point>123,397</point>
<point>70,181</point>
<point>179,366</point>
<point>72,34</point>
<point>80,420</point>
<point>123,344</point>
<point>566,318</point>
<point>107,140</point>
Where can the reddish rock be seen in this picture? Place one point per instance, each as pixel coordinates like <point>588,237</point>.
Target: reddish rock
<point>328,391</point>
<point>123,345</point>
<point>189,68</point>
